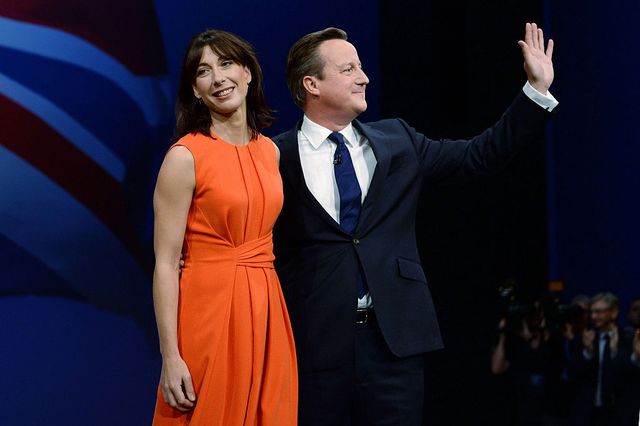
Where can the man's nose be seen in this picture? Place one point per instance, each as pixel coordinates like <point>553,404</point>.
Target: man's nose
<point>362,78</point>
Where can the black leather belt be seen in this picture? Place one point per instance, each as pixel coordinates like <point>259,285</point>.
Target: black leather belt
<point>364,316</point>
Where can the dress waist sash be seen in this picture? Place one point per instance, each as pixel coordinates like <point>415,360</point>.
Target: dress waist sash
<point>256,253</point>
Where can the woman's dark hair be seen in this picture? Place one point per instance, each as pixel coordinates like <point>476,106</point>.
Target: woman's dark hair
<point>193,116</point>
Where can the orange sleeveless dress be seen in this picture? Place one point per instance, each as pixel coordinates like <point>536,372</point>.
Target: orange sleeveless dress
<point>233,328</point>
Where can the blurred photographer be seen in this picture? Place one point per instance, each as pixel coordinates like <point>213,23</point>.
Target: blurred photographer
<point>528,353</point>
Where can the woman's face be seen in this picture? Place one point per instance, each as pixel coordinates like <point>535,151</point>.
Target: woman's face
<point>221,83</point>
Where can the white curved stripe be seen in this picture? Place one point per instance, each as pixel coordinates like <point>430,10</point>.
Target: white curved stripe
<point>64,124</point>
<point>47,222</point>
<point>151,94</point>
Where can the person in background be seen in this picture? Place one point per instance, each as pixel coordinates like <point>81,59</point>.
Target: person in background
<point>633,316</point>
<point>578,317</point>
<point>530,356</point>
<point>605,371</point>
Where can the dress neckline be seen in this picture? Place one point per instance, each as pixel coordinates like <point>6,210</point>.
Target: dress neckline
<point>215,137</point>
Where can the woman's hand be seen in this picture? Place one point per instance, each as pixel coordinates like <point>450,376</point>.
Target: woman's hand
<point>176,385</point>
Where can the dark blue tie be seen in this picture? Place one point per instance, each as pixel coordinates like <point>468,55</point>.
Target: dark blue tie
<point>350,195</point>
<point>348,185</point>
<point>604,373</point>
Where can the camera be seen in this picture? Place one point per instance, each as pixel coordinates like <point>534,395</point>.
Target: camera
<point>513,309</point>
<point>543,313</point>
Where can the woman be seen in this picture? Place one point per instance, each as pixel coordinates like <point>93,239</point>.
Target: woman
<point>228,355</point>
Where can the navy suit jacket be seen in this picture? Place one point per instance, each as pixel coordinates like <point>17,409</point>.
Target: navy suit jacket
<point>317,262</point>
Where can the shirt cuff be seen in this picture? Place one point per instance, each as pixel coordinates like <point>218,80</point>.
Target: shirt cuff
<point>587,355</point>
<point>547,101</point>
<point>635,360</point>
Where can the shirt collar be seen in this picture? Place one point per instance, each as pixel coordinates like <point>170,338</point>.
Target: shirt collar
<point>317,134</point>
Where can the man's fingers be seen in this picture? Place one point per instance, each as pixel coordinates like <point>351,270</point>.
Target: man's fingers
<point>549,48</point>
<point>534,36</point>
<point>589,335</point>
<point>527,34</point>
<point>525,49</point>
<point>541,39</point>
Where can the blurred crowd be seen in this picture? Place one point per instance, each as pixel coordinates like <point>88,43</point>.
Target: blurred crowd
<point>573,365</point>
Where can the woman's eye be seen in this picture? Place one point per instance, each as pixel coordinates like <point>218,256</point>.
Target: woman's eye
<point>202,71</point>
<point>226,63</point>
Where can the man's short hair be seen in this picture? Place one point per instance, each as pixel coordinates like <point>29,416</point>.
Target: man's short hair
<point>609,298</point>
<point>303,60</point>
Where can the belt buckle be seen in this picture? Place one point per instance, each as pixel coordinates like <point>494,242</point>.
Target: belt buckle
<point>366,316</point>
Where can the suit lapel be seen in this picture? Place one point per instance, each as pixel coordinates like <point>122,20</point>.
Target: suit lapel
<point>291,170</point>
<point>378,144</point>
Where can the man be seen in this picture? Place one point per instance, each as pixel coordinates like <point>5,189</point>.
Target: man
<point>345,241</point>
<point>605,372</point>
<point>633,315</point>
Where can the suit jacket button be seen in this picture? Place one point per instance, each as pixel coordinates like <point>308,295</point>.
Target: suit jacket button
<point>356,241</point>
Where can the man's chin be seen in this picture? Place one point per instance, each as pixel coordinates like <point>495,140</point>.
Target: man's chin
<point>356,111</point>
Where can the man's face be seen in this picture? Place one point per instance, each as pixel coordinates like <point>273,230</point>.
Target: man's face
<point>603,317</point>
<point>341,91</point>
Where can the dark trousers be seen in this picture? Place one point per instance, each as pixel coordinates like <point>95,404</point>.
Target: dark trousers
<point>605,416</point>
<point>377,389</point>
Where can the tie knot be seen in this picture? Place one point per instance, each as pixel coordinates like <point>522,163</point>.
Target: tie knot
<point>337,138</point>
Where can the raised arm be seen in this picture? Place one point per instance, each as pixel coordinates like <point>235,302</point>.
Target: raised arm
<point>537,61</point>
<point>171,202</point>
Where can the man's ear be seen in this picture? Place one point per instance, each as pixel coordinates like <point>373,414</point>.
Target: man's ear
<point>310,84</point>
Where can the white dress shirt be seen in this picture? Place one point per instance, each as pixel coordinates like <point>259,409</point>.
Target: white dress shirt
<point>316,158</point>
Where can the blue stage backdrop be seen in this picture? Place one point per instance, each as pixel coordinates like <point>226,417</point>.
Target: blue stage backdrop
<point>595,148</point>
<point>86,112</point>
